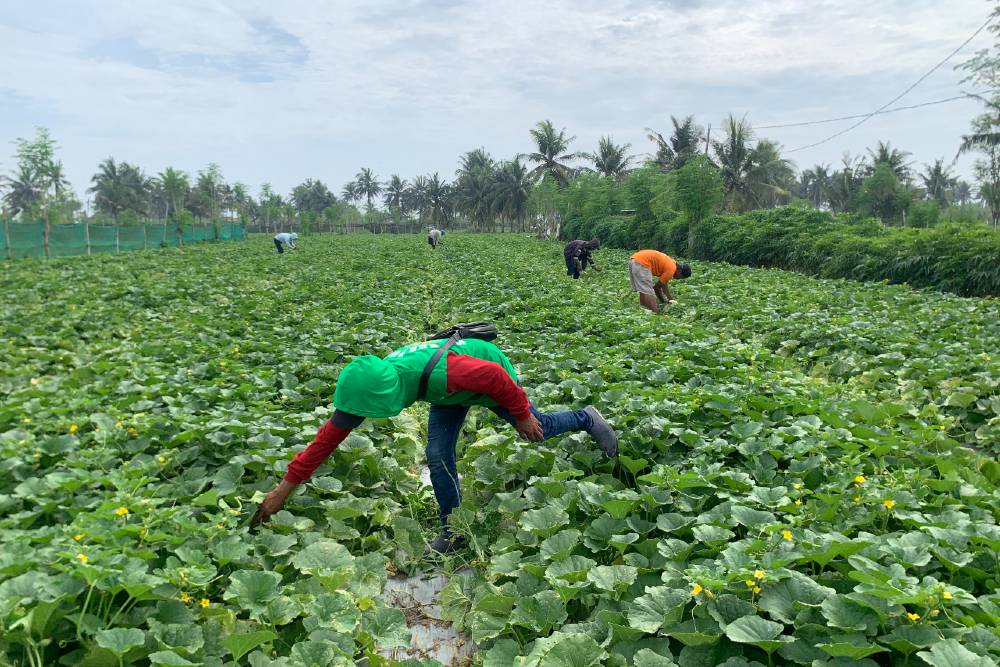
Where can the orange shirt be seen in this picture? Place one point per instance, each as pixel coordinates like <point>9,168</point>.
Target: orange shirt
<point>658,263</point>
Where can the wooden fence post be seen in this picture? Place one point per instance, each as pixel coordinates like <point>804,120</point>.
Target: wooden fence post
<point>46,238</point>
<point>117,236</point>
<point>6,237</point>
<point>86,235</point>
<point>145,237</point>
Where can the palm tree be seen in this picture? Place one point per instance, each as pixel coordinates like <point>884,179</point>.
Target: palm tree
<point>961,193</point>
<point>815,185</point>
<point>511,192</point>
<point>938,182</point>
<point>752,176</point>
<point>474,185</point>
<point>551,153</point>
<point>417,197</point>
<point>845,183</point>
<point>438,195</point>
<point>685,142</point>
<point>611,160</point>
<point>349,192</point>
<point>176,184</point>
<point>394,197</point>
<point>985,139</point>
<point>118,187</point>
<point>893,158</point>
<point>24,191</point>
<point>367,186</point>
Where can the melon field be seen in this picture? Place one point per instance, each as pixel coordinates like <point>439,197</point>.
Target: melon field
<point>807,475</point>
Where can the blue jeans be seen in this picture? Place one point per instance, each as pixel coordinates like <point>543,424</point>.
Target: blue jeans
<point>443,427</point>
<point>277,244</point>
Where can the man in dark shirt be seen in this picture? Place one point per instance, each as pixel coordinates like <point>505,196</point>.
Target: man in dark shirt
<point>578,254</point>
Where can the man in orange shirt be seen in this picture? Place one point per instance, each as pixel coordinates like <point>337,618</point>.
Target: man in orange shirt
<point>646,264</point>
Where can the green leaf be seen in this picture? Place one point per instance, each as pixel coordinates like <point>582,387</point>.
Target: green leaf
<point>323,557</point>
<point>751,518</point>
<point>545,520</point>
<point>645,657</point>
<point>562,649</point>
<point>560,545</point>
<point>253,589</point>
<point>614,578</point>
<point>843,613</point>
<point>757,631</point>
<point>785,599</point>
<point>336,611</point>
<point>540,611</point>
<point>170,659</point>
<point>120,640</point>
<point>950,653</point>
<point>659,606</point>
<point>241,644</point>
<point>852,651</point>
<point>387,626</point>
<point>727,608</point>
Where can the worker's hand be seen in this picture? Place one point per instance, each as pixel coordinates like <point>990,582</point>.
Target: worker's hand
<point>272,503</point>
<point>530,429</point>
<point>671,302</point>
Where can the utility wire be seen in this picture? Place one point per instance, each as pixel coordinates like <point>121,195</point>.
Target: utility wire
<point>898,97</point>
<point>877,113</point>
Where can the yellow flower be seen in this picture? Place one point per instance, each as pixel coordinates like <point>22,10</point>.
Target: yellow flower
<point>82,558</point>
<point>73,428</point>
<point>35,381</point>
<point>888,503</point>
<point>946,595</point>
<point>161,459</point>
<point>756,589</point>
<point>935,612</point>
<point>758,574</point>
<point>750,583</point>
<point>786,535</point>
<point>859,479</point>
<point>797,485</point>
<point>798,501</point>
<point>121,511</point>
<point>119,423</point>
<point>78,537</point>
<point>696,589</point>
<point>185,598</point>
<point>131,430</point>
<point>205,602</point>
<point>913,617</point>
<point>26,420</point>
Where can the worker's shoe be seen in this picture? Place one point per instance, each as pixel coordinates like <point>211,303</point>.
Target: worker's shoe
<point>446,543</point>
<point>602,432</point>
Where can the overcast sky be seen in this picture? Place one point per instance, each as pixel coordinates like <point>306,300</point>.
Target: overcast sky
<point>281,91</point>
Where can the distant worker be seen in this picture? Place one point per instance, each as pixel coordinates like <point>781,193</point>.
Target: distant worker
<point>283,239</point>
<point>578,254</point>
<point>434,237</point>
<point>643,266</point>
<point>470,372</point>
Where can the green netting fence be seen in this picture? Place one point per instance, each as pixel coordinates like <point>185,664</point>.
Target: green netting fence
<point>30,239</point>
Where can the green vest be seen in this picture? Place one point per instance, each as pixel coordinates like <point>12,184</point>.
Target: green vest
<point>374,387</point>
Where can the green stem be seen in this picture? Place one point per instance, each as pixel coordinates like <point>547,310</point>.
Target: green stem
<point>83,611</point>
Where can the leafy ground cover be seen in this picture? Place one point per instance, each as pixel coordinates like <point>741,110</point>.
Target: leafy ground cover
<point>807,476</point>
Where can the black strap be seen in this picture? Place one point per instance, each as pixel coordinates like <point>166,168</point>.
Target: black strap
<point>429,368</point>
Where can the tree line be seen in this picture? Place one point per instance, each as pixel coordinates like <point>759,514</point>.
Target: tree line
<point>530,189</point>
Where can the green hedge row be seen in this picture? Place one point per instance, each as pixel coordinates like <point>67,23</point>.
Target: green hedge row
<point>963,259</point>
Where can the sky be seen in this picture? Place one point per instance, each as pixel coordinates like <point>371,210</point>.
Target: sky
<point>279,91</point>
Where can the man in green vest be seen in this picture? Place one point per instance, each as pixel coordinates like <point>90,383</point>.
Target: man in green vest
<point>473,372</point>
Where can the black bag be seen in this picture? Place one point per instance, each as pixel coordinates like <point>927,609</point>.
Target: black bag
<point>480,330</point>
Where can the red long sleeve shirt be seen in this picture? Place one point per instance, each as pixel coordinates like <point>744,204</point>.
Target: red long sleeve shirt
<point>465,373</point>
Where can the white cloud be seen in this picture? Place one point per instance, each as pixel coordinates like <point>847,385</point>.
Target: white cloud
<point>406,86</point>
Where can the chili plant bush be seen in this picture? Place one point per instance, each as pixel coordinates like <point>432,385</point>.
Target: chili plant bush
<point>807,474</point>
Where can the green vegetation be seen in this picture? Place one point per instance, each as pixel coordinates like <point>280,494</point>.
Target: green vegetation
<point>797,481</point>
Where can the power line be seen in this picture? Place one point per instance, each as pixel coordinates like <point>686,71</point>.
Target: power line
<point>877,113</point>
<point>898,97</point>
